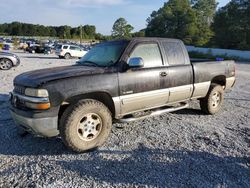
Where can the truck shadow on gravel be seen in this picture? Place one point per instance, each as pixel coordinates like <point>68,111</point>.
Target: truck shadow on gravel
<point>164,168</point>
<point>189,111</point>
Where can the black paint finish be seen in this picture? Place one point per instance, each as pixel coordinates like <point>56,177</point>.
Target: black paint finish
<point>65,82</point>
<point>206,71</point>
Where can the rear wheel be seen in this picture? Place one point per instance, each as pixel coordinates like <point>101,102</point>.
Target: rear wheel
<point>67,56</point>
<point>5,64</point>
<point>212,103</point>
<point>85,125</point>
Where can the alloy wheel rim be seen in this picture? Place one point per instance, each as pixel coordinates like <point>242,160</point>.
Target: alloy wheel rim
<point>89,127</point>
<point>216,98</point>
<point>5,64</point>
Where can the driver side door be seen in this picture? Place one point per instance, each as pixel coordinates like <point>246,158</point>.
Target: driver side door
<point>140,88</point>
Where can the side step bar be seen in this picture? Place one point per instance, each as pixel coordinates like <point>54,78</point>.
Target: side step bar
<point>155,113</point>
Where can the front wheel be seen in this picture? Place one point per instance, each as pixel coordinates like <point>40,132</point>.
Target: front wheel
<point>212,103</point>
<point>85,125</point>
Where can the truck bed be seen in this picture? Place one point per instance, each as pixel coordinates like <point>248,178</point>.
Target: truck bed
<point>207,70</point>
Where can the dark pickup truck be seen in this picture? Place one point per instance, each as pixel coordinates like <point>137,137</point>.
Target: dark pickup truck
<point>114,81</point>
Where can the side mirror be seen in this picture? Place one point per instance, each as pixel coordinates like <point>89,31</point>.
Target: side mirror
<point>136,62</point>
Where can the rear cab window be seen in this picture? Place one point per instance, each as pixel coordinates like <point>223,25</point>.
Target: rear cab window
<point>174,53</point>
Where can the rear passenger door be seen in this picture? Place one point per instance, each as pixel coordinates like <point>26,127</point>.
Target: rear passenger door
<point>65,50</point>
<point>179,80</point>
<point>141,88</point>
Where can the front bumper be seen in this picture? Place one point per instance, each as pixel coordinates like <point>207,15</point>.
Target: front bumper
<point>46,127</point>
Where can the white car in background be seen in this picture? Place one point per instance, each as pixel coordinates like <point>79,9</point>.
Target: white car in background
<point>67,51</point>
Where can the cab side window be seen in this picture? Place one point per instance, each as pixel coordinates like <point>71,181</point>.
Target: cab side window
<point>150,54</point>
<point>174,53</point>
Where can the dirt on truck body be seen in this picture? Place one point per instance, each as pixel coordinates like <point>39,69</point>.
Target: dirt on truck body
<point>113,81</point>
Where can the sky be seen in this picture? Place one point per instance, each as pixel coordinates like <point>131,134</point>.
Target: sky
<point>101,13</point>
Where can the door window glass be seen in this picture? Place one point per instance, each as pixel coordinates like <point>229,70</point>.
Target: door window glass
<point>72,48</point>
<point>150,54</point>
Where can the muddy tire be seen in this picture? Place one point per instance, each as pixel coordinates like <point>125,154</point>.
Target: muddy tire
<point>213,102</point>
<point>85,125</point>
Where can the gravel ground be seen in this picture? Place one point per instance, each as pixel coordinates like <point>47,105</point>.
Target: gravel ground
<point>180,149</point>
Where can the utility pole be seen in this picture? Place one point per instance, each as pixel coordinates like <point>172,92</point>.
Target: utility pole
<point>80,34</point>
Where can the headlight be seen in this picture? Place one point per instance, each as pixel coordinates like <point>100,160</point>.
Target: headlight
<point>36,92</point>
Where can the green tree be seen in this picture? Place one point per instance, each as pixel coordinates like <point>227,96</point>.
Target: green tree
<point>121,29</point>
<point>89,31</point>
<point>64,32</point>
<point>205,11</point>
<point>232,25</point>
<point>52,32</point>
<point>140,33</point>
<point>176,19</point>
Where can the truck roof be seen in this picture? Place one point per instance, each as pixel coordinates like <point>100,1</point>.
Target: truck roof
<point>141,39</point>
<point>154,39</point>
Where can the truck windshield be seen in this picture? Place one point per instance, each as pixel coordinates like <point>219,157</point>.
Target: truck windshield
<point>104,55</point>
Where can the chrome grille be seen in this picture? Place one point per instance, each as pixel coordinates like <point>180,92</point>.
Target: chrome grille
<point>19,90</point>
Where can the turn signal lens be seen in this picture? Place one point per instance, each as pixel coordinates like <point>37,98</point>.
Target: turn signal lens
<point>44,106</point>
<point>38,106</point>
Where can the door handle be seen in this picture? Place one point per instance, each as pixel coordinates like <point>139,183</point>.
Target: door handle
<point>163,74</point>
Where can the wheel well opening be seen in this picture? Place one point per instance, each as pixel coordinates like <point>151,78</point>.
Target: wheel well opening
<point>103,97</point>
<point>221,80</point>
<point>6,59</point>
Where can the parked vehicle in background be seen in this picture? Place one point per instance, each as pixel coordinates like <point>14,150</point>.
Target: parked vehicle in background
<point>86,47</point>
<point>114,80</point>
<point>32,49</point>
<point>6,47</point>
<point>67,51</point>
<point>8,60</point>
<point>48,50</point>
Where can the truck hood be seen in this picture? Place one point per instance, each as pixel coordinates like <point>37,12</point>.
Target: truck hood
<point>39,77</point>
